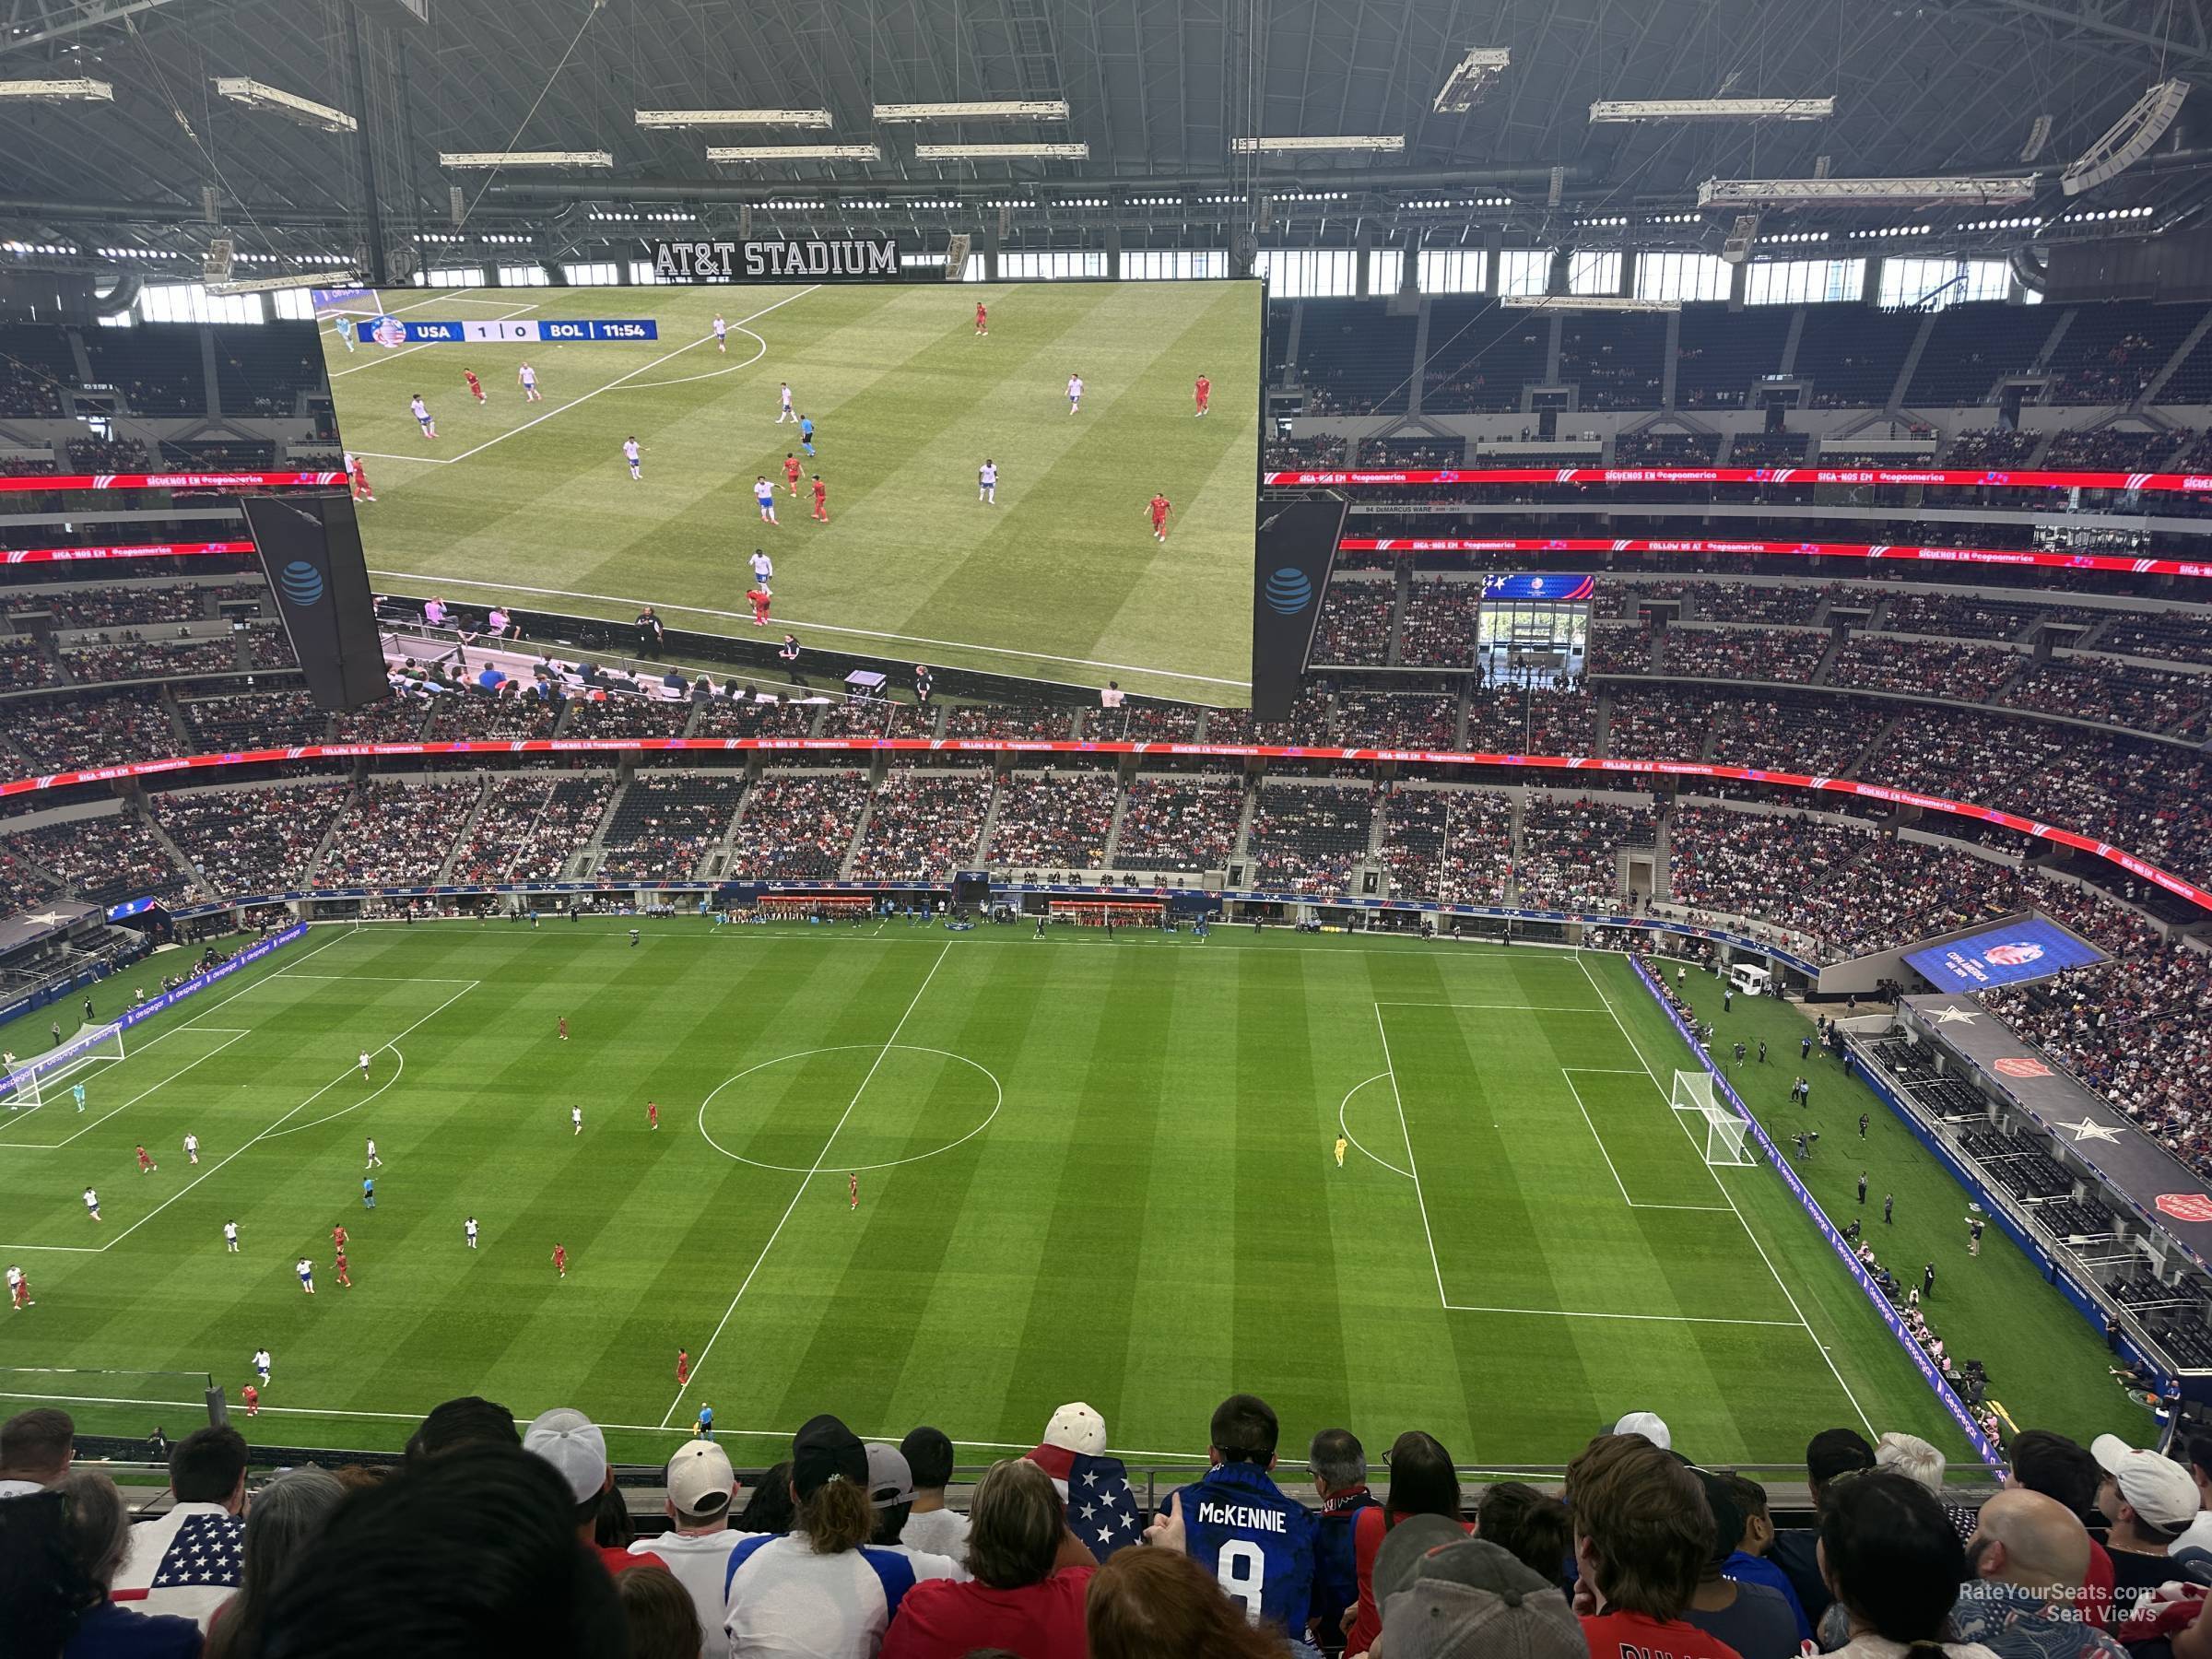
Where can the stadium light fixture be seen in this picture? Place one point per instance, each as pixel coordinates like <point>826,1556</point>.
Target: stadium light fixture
<point>1001,152</point>
<point>306,110</point>
<point>1992,191</point>
<point>1469,77</point>
<point>793,152</point>
<point>297,279</point>
<point>1605,303</point>
<point>1345,141</point>
<point>461,159</point>
<point>710,118</point>
<point>2128,140</point>
<point>53,91</point>
<point>1000,108</point>
<point>1711,109</point>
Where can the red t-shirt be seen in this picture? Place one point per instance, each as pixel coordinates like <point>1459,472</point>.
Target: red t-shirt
<point>939,1618</point>
<point>2095,1598</point>
<point>1623,1635</point>
<point>614,1558</point>
<point>1368,1528</point>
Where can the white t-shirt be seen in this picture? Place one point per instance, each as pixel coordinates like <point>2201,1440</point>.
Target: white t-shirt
<point>939,1532</point>
<point>700,1562</point>
<point>19,1488</point>
<point>785,391</point>
<point>719,326</point>
<point>763,566</point>
<point>230,1230</point>
<point>1112,697</point>
<point>630,448</point>
<point>785,1602</point>
<point>1075,386</point>
<point>986,474</point>
<point>469,1228</point>
<point>420,412</point>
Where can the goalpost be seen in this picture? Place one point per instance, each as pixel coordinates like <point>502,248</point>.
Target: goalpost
<point>1716,1128</point>
<point>56,1074</point>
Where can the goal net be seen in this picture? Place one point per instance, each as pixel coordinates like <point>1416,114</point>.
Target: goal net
<point>1711,1123</point>
<point>58,1072</point>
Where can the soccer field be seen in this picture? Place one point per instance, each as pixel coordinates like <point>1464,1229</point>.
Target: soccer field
<point>532,504</point>
<point>1088,1169</point>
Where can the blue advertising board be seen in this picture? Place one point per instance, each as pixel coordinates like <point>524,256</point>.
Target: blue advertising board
<point>2029,948</point>
<point>393,331</point>
<point>1549,584</point>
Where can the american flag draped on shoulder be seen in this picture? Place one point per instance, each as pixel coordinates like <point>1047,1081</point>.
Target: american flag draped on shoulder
<point>1101,1510</point>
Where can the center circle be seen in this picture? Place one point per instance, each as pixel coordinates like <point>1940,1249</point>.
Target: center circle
<point>836,1084</point>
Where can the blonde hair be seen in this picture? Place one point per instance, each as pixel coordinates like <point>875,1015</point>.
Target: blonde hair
<point>1912,1457</point>
<point>836,1517</point>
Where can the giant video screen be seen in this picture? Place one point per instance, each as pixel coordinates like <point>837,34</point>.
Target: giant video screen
<point>1054,481</point>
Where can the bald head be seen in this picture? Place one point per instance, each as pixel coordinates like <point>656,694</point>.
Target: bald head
<point>2028,1539</point>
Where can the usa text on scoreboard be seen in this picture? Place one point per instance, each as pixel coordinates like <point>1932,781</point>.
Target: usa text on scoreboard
<point>391,331</point>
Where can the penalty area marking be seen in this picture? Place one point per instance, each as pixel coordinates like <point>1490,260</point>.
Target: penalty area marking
<point>997,1092</point>
<point>1348,1136</point>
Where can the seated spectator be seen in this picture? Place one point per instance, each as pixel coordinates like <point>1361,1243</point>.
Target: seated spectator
<point>1474,1596</point>
<point>2028,1556</point>
<point>770,1509</point>
<point>1159,1604</point>
<point>572,1444</point>
<point>2062,1469</point>
<point>1424,1503</point>
<point>1534,1529</point>
<point>470,1421</point>
<point>930,1525</point>
<point>1746,1563</point>
<point>697,1546</point>
<point>1030,1578</point>
<point>664,1624</point>
<point>2150,1500</point>
<point>890,1494</point>
<point>207,1476</point>
<point>1642,1535</point>
<point>1237,1509</point>
<point>1894,1564</point>
<point>35,1449</point>
<point>1754,1620</point>
<point>1337,1462</point>
<point>822,1590</point>
<point>59,1551</point>
<point>385,1576</point>
<point>1829,1453</point>
<point>284,1517</point>
<point>1075,1446</point>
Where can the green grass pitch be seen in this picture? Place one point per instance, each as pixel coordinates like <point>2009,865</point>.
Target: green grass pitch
<point>1088,1169</point>
<point>1061,580</point>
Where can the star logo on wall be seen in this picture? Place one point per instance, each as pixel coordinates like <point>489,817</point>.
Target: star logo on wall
<point>1956,1015</point>
<point>2087,1130</point>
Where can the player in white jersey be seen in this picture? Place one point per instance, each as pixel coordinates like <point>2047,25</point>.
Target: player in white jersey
<point>764,496</point>
<point>576,1118</point>
<point>528,376</point>
<point>306,1270</point>
<point>764,568</point>
<point>230,1237</point>
<point>18,1290</point>
<point>192,1148</point>
<point>630,453</point>
<point>374,1161</point>
<point>722,335</point>
<point>1074,392</point>
<point>423,417</point>
<point>986,482</point>
<point>261,1357</point>
<point>93,1204</point>
<point>364,1062</point>
<point>783,412</point>
<point>469,1232</point>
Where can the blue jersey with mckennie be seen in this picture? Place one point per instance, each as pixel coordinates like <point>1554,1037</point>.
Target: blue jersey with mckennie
<point>1256,1543</point>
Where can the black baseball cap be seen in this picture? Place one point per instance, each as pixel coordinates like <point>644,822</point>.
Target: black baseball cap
<point>825,1450</point>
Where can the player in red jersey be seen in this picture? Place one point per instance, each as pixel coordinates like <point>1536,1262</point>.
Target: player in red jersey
<point>652,1115</point>
<point>361,492</point>
<point>337,1236</point>
<point>683,1368</point>
<point>343,1279</point>
<point>790,472</point>
<point>563,1024</point>
<point>1158,508</point>
<point>475,389</point>
<point>561,1260</point>
<point>146,1165</point>
<point>252,1397</point>
<point>983,322</point>
<point>1203,392</point>
<point>821,501</point>
<point>760,596</point>
<point>853,1188</point>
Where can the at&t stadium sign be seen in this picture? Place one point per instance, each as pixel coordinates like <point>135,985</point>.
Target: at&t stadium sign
<point>778,259</point>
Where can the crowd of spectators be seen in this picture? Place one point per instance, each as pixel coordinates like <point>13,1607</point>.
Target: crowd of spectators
<point>1046,723</point>
<point>117,604</point>
<point>921,825</point>
<point>104,860</point>
<point>130,655</point>
<point>1800,731</point>
<point>1795,605</point>
<point>1744,654</point>
<point>1654,448</point>
<point>1924,668</point>
<point>1355,623</point>
<point>1427,720</point>
<point>1172,822</point>
<point>253,720</point>
<point>1442,625</point>
<point>1970,616</point>
<point>665,821</point>
<point>2178,637</point>
<point>2089,688</point>
<point>797,826</point>
<point>2112,449</point>
<point>249,840</point>
<point>1449,846</point>
<point>529,826</point>
<point>106,730</point>
<point>25,666</point>
<point>1054,819</point>
<point>1569,850</point>
<point>1992,447</point>
<point>1307,838</point>
<point>395,834</point>
<point>1661,723</point>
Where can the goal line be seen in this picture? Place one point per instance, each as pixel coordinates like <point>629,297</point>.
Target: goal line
<point>27,1087</point>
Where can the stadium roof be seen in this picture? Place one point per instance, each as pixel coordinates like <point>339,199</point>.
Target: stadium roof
<point>1157,91</point>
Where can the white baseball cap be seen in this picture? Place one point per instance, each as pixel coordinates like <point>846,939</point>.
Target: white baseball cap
<point>1650,1425</point>
<point>2154,1486</point>
<point>700,1481</point>
<point>1077,1428</point>
<point>572,1444</point>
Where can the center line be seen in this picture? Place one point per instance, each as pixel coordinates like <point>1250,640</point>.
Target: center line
<point>805,1182</point>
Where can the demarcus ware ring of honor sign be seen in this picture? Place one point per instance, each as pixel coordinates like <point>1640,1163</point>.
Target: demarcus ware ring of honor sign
<point>777,259</point>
